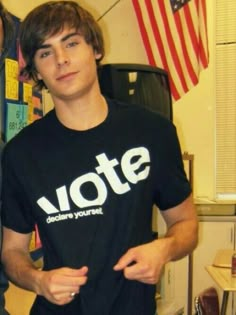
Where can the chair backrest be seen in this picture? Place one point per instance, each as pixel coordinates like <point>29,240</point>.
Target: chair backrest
<point>207,302</point>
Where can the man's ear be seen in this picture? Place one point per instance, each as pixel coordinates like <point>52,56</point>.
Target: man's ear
<point>97,55</point>
<point>36,73</point>
<point>39,77</point>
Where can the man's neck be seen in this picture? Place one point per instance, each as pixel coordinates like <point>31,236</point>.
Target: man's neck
<point>83,116</point>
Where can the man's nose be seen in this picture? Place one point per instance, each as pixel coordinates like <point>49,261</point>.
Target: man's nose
<point>62,57</point>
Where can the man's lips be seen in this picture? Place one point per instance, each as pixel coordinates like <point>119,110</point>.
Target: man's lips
<point>66,76</point>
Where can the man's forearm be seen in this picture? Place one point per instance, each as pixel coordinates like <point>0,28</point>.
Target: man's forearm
<point>182,238</point>
<point>20,269</point>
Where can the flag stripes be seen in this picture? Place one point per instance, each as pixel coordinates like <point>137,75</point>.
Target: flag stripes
<point>175,41</point>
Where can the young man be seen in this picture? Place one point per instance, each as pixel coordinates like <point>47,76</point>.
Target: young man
<point>88,174</point>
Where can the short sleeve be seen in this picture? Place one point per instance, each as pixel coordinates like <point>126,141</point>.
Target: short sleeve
<point>171,183</point>
<point>16,213</point>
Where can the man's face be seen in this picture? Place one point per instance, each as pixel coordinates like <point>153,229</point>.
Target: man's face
<point>67,65</point>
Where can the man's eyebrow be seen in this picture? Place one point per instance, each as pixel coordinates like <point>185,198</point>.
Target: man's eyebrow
<point>68,36</point>
<point>63,39</point>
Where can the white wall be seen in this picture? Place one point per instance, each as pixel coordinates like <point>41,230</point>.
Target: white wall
<point>195,119</point>
<point>193,114</point>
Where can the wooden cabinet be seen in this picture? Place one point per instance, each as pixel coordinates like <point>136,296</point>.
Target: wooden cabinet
<point>174,284</point>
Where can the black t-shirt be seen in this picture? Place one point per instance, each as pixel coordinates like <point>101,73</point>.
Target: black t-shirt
<point>91,194</point>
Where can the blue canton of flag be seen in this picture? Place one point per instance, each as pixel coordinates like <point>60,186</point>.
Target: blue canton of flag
<point>178,4</point>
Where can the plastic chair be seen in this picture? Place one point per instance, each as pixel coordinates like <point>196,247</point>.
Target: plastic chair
<point>207,302</point>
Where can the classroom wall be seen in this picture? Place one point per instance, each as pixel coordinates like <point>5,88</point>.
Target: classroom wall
<point>193,114</point>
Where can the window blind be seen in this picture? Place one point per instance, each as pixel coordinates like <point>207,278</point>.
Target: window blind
<point>226,99</point>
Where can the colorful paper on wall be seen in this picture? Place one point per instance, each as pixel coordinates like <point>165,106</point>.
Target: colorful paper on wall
<point>11,79</point>
<point>11,69</point>
<point>12,89</point>
<point>27,92</point>
<point>16,119</point>
<point>37,104</point>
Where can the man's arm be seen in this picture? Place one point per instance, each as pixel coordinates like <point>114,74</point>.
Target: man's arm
<point>16,258</point>
<point>182,229</point>
<point>55,285</point>
<point>145,262</point>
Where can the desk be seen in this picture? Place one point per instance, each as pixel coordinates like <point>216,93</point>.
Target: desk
<point>222,277</point>
<point>169,307</point>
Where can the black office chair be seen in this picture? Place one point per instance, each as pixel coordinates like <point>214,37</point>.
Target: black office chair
<point>207,302</point>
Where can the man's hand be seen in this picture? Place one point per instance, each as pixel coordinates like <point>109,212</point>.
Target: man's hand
<point>60,285</point>
<point>143,263</point>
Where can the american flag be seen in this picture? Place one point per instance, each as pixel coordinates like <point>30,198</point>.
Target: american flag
<point>174,34</point>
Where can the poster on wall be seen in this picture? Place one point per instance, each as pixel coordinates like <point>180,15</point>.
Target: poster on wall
<point>16,119</point>
<point>11,79</point>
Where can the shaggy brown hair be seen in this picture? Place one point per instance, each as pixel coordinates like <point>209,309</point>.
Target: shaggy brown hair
<point>47,20</point>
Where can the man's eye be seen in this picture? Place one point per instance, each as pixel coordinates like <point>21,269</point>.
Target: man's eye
<point>44,54</point>
<point>72,44</point>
